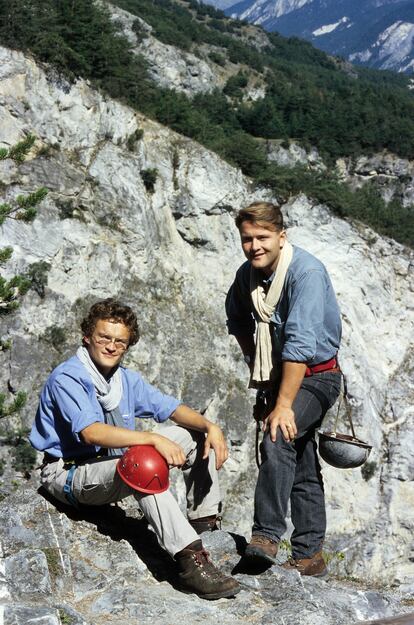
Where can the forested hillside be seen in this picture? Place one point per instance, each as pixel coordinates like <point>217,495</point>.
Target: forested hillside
<point>311,98</point>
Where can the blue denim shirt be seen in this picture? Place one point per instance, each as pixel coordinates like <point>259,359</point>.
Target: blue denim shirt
<point>306,322</point>
<point>68,404</point>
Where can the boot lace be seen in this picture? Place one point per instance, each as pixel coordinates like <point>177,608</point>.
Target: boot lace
<point>261,540</point>
<point>202,560</point>
<point>202,557</point>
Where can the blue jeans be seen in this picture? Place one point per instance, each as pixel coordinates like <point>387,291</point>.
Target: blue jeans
<point>292,471</point>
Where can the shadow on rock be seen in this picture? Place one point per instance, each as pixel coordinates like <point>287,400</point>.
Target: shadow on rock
<point>112,521</point>
<point>246,565</point>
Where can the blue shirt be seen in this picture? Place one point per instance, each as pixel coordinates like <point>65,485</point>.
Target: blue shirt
<point>68,404</point>
<point>306,322</point>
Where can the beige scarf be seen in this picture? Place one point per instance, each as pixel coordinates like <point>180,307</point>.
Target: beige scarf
<point>265,304</point>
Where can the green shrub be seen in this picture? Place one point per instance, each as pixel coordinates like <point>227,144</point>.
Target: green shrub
<point>235,84</point>
<point>55,336</point>
<point>22,453</point>
<point>134,138</point>
<point>13,406</point>
<point>37,276</point>
<point>218,58</point>
<point>149,178</point>
<point>368,470</point>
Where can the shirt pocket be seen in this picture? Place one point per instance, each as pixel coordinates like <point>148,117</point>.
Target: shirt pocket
<point>126,418</point>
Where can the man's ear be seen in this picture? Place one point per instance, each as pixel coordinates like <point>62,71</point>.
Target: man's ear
<point>282,238</point>
<point>86,340</point>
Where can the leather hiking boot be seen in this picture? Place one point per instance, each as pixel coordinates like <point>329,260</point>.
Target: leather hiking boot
<point>261,548</point>
<point>199,575</point>
<point>314,566</point>
<point>206,523</point>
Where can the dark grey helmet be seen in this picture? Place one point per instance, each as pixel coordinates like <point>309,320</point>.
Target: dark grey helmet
<point>342,451</point>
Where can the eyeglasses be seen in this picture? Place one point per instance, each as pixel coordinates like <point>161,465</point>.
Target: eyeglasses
<point>106,340</point>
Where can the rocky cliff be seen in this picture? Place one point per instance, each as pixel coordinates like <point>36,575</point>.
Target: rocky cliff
<point>391,175</point>
<point>171,252</point>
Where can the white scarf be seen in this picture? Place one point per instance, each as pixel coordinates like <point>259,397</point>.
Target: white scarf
<point>264,305</point>
<point>108,392</point>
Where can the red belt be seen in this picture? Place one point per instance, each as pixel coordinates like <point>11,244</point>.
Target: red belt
<point>328,365</point>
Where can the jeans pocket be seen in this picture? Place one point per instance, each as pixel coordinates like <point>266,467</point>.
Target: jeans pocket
<point>332,383</point>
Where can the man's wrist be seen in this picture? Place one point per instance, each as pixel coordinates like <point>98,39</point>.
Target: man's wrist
<point>283,402</point>
<point>211,426</point>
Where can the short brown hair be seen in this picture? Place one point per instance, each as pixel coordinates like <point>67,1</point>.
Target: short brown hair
<point>261,213</point>
<point>111,309</point>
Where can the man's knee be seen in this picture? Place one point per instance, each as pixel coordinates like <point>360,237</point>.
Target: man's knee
<point>272,451</point>
<point>191,441</point>
<point>195,452</point>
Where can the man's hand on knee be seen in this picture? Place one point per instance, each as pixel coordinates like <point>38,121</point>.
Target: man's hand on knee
<point>215,440</point>
<point>173,453</point>
<point>283,418</point>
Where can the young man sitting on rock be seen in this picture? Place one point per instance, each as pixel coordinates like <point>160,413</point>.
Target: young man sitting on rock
<point>86,420</point>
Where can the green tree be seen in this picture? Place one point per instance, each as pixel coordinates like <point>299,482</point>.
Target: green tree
<point>263,120</point>
<point>23,208</point>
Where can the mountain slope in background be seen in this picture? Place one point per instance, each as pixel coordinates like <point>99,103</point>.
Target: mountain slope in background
<point>373,32</point>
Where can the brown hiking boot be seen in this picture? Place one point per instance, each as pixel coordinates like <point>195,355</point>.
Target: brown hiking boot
<point>199,575</point>
<point>261,548</point>
<point>206,523</point>
<point>314,566</point>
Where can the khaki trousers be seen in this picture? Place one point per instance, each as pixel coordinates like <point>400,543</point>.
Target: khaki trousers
<point>96,482</point>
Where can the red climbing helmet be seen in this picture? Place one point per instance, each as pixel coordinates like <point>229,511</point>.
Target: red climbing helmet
<point>144,469</point>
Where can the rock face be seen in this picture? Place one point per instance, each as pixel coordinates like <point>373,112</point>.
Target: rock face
<point>169,67</point>
<point>172,254</point>
<point>293,155</point>
<point>99,566</point>
<point>393,176</point>
<point>187,72</point>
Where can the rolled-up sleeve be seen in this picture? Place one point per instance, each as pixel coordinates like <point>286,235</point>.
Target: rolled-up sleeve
<point>74,403</point>
<point>305,319</point>
<point>240,321</point>
<point>151,403</point>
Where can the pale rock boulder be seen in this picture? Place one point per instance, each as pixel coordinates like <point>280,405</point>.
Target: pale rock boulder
<point>293,155</point>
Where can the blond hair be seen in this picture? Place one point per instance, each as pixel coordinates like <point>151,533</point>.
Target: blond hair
<point>265,214</point>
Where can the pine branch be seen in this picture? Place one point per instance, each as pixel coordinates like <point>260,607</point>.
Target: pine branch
<point>15,406</point>
<point>31,200</point>
<point>19,151</point>
<point>5,254</point>
<point>5,210</point>
<point>26,206</point>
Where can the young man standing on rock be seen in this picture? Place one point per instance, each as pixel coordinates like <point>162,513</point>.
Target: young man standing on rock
<point>86,420</point>
<point>283,312</point>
